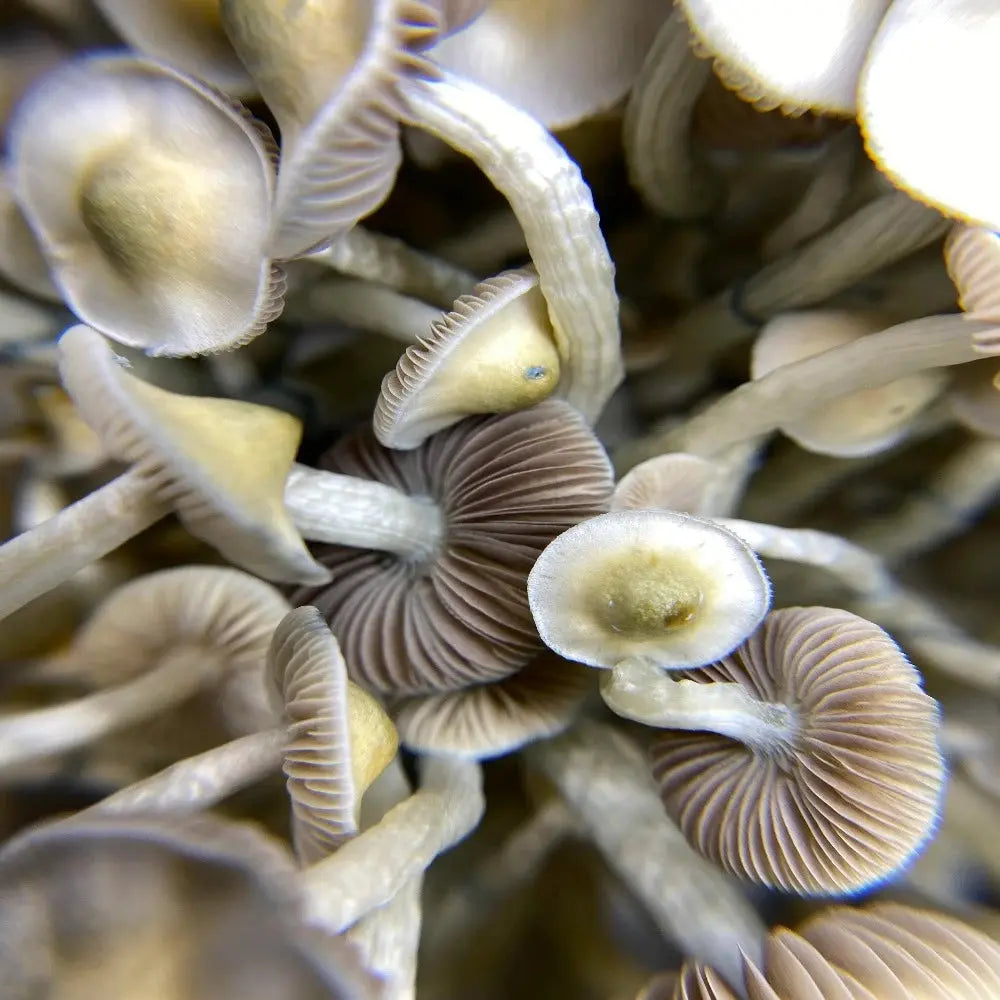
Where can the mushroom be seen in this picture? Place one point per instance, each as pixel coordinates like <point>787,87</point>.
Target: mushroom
<point>178,909</point>
<point>187,34</point>
<point>958,38</point>
<point>152,645</point>
<point>329,72</point>
<point>150,196</point>
<point>807,760</point>
<point>493,353</point>
<point>456,614</point>
<point>673,588</point>
<point>972,255</point>
<point>860,423</point>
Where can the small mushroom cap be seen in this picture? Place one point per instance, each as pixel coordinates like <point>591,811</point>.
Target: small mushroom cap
<point>490,720</point>
<point>559,60</point>
<point>150,196</point>
<point>506,486</point>
<point>142,908</point>
<point>493,353</point>
<point>21,259</point>
<point>187,34</point>
<point>675,589</point>
<point>862,423</point>
<point>854,796</point>
<point>972,256</point>
<point>920,103</point>
<point>884,951</point>
<point>676,481</point>
<point>221,463</point>
<point>782,53</point>
<point>340,738</point>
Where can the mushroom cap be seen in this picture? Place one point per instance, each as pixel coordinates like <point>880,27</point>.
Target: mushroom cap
<point>492,353</point>
<point>861,423</point>
<point>150,196</point>
<point>490,720</point>
<point>143,908</point>
<point>920,102</point>
<point>21,258</point>
<point>506,486</point>
<point>676,481</point>
<point>856,794</point>
<point>187,34</point>
<point>677,590</point>
<point>221,463</point>
<point>559,60</point>
<point>787,54</point>
<point>972,255</point>
<point>884,951</point>
<point>340,738</point>
<point>228,614</point>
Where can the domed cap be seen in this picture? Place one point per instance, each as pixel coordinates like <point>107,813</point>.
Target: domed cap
<point>854,794</point>
<point>150,195</point>
<point>506,486</point>
<point>676,481</point>
<point>677,590</point>
<point>492,353</point>
<point>862,423</point>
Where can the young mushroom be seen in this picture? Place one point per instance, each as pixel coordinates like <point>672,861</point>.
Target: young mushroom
<point>807,760</point>
<point>492,353</point>
<point>673,589</point>
<point>151,196</point>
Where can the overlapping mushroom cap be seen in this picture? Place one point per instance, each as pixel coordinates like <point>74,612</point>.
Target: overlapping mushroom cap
<point>852,795</point>
<point>150,195</point>
<point>506,486</point>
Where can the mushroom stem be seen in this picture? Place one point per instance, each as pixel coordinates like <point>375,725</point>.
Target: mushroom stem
<point>40,559</point>
<point>344,510</point>
<point>790,392</point>
<point>556,210</point>
<point>368,871</point>
<point>30,735</point>
<point>201,781</point>
<point>639,690</point>
<point>606,782</point>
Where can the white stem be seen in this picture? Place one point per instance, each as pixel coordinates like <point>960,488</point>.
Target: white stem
<point>40,733</point>
<point>639,690</point>
<point>556,211</point>
<point>344,510</point>
<point>202,781</point>
<point>878,596</point>
<point>42,558</point>
<point>792,391</point>
<point>658,151</point>
<point>605,780</point>
<point>372,868</point>
<point>372,256</point>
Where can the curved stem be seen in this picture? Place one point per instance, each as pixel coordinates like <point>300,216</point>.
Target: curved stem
<point>556,211</point>
<point>372,868</point>
<point>637,689</point>
<point>792,391</point>
<point>344,510</point>
<point>605,780</point>
<point>30,735</point>
<point>40,559</point>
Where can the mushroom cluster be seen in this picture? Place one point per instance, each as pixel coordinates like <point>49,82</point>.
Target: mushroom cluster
<point>499,498</point>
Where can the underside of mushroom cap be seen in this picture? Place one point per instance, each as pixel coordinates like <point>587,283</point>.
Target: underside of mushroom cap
<point>329,69</point>
<point>187,34</point>
<point>972,255</point>
<point>675,589</point>
<point>861,423</point>
<point>778,53</point>
<point>150,195</point>
<point>920,104</point>
<point>181,910</point>
<point>559,60</point>
<point>853,797</point>
<point>492,353</point>
<point>222,463</point>
<point>339,739</point>
<point>506,485</point>
<point>490,720</point>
